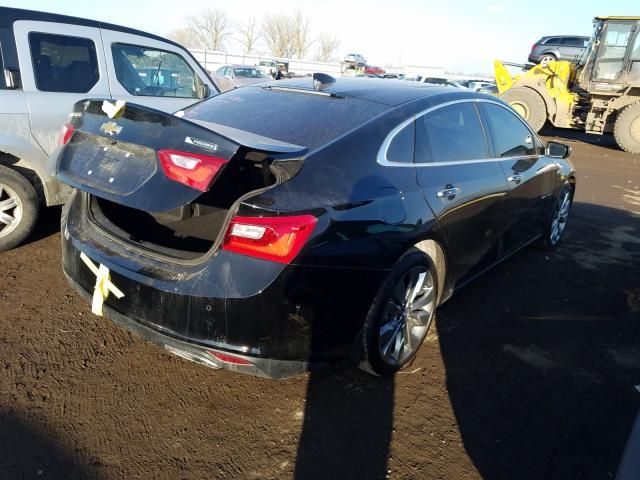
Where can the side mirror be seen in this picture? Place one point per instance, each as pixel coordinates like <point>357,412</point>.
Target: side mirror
<point>12,79</point>
<point>557,150</point>
<point>205,91</point>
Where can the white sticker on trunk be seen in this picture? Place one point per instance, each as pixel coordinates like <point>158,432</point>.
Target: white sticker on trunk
<point>201,143</point>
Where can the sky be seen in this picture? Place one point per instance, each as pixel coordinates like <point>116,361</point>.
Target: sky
<point>463,35</point>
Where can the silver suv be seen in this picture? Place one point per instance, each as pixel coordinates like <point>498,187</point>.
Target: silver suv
<point>560,47</point>
<point>49,62</point>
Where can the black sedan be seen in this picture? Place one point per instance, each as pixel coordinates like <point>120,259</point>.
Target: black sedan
<point>291,224</point>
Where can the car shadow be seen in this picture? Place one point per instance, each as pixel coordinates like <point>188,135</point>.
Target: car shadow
<point>347,426</point>
<point>26,452</point>
<point>48,224</point>
<point>543,353</point>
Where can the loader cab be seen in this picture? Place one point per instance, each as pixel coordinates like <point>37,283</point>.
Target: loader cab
<point>611,62</point>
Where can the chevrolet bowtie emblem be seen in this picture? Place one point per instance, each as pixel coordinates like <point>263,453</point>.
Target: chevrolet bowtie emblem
<point>112,128</point>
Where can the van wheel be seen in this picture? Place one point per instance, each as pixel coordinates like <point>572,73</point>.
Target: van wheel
<point>400,315</point>
<point>529,105</point>
<point>627,128</point>
<point>19,208</point>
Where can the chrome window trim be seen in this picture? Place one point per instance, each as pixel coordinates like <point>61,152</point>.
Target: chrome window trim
<point>382,152</point>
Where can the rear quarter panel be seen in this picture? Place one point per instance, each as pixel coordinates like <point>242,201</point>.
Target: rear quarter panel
<point>369,214</point>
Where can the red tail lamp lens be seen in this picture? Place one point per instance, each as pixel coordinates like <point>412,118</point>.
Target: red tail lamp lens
<point>228,358</point>
<point>278,239</point>
<point>192,169</point>
<point>66,133</point>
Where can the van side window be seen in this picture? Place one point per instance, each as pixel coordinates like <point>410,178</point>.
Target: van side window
<point>152,72</point>
<point>401,147</point>
<point>511,137</point>
<point>451,133</point>
<point>62,63</point>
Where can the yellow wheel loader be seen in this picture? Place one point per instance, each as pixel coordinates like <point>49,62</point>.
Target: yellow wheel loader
<point>599,93</point>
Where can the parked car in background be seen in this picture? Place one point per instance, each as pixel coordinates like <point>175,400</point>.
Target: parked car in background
<point>490,88</point>
<point>477,85</point>
<point>48,63</point>
<point>374,70</point>
<point>447,82</point>
<point>269,229</point>
<point>560,47</point>
<point>355,58</point>
<point>234,76</point>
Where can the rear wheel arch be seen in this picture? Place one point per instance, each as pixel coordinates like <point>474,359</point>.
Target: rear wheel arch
<point>436,252</point>
<point>26,169</point>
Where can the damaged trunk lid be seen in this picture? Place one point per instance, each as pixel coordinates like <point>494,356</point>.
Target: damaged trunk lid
<point>149,160</point>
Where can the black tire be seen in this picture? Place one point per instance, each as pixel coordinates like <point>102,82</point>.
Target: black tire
<point>626,130</point>
<point>529,104</point>
<point>373,361</point>
<point>548,240</point>
<point>14,185</point>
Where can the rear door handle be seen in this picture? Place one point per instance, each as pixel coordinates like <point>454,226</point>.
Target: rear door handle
<point>515,178</point>
<point>449,191</point>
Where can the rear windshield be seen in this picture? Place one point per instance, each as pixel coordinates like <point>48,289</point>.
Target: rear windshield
<point>291,117</point>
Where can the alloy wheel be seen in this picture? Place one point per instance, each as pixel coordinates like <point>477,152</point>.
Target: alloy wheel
<point>407,316</point>
<point>560,217</point>
<point>10,210</point>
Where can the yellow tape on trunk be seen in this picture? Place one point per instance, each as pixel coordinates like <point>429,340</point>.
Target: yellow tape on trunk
<point>103,285</point>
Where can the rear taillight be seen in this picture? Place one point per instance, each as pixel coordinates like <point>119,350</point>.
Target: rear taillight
<point>192,169</point>
<point>228,358</point>
<point>278,239</point>
<point>66,133</point>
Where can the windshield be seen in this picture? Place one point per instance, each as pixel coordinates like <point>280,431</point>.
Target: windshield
<point>249,73</point>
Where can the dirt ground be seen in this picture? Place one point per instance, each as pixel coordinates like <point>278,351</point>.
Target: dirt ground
<point>528,373</point>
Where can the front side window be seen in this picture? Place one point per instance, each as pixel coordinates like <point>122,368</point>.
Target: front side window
<point>451,133</point>
<point>511,137</point>
<point>151,72</point>
<point>62,63</point>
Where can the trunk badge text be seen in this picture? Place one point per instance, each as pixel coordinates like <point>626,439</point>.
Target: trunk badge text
<point>112,128</point>
<point>201,143</point>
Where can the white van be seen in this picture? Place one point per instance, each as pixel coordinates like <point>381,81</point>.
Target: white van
<point>49,62</point>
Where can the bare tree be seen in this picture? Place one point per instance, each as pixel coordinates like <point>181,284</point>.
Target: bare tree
<point>276,33</point>
<point>327,45</point>
<point>300,29</point>
<point>249,34</point>
<point>185,37</point>
<point>211,27</point>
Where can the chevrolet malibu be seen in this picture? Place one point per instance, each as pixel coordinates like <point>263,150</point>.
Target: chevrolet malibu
<point>293,224</point>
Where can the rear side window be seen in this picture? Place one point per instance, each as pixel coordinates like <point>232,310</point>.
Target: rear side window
<point>152,72</point>
<point>293,117</point>
<point>62,63</point>
<point>511,137</point>
<point>452,133</point>
<point>401,147</point>
<point>552,41</point>
<point>573,42</point>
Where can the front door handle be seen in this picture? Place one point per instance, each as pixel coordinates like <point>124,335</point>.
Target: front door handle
<point>448,192</point>
<point>515,178</point>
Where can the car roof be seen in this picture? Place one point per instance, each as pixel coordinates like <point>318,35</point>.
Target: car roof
<point>10,15</point>
<point>378,90</point>
<point>565,36</point>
